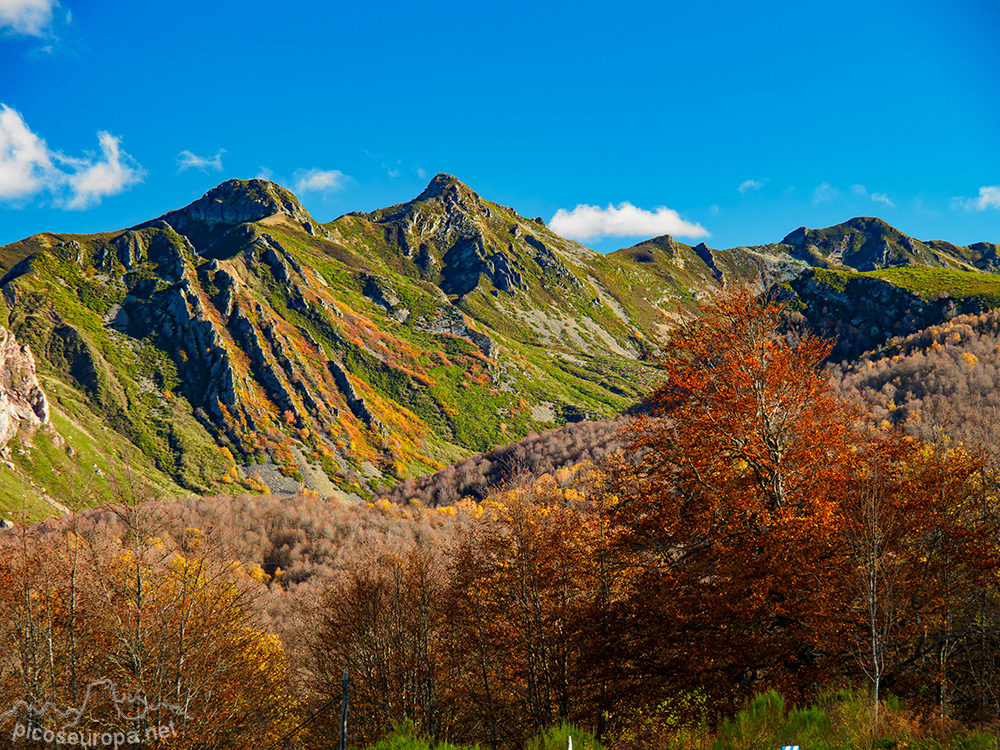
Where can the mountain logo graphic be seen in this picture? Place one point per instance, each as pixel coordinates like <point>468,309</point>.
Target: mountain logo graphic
<point>128,707</point>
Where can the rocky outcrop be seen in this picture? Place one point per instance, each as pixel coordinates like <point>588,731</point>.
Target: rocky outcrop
<point>228,286</point>
<point>449,320</point>
<point>22,401</point>
<point>381,292</point>
<point>861,313</point>
<point>504,272</point>
<point>705,254</point>
<point>355,403</point>
<point>295,370</point>
<point>551,264</point>
<point>183,319</point>
<point>208,221</point>
<point>267,372</point>
<point>259,246</point>
<point>236,202</point>
<point>156,243</point>
<point>129,248</point>
<point>463,264</point>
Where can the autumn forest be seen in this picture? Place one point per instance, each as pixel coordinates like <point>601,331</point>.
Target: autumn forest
<point>763,523</point>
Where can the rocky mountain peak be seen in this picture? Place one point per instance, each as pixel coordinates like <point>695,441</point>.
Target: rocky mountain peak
<point>239,201</point>
<point>234,202</point>
<point>447,185</point>
<point>445,197</point>
<point>796,237</point>
<point>663,240</point>
<point>864,243</point>
<point>454,238</point>
<point>872,224</point>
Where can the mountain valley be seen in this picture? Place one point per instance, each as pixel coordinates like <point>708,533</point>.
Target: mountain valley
<point>237,344</point>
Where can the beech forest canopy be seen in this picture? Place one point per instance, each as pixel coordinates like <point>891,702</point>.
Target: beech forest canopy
<point>755,531</point>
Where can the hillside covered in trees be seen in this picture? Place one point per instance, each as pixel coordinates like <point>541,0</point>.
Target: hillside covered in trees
<point>753,532</point>
<point>237,344</point>
<point>938,382</point>
<point>537,454</point>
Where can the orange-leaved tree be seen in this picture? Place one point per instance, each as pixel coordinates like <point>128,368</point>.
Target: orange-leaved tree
<point>525,582</point>
<point>103,608</point>
<point>730,505</point>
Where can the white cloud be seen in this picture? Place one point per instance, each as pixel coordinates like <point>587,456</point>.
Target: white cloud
<point>265,174</point>
<point>588,222</point>
<point>747,185</point>
<point>109,175</point>
<point>188,160</point>
<point>989,197</point>
<point>25,163</point>
<point>862,192</point>
<point>28,167</point>
<point>318,180</point>
<point>825,193</point>
<point>421,173</point>
<point>27,17</point>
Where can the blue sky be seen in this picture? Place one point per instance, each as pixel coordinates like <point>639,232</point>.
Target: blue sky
<point>732,123</point>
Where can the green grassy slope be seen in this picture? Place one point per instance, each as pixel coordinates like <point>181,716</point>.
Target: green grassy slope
<point>237,343</point>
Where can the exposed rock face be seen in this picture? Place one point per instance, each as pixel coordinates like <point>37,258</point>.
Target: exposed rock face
<point>355,403</point>
<point>867,243</point>
<point>504,273</point>
<point>460,239</point>
<point>239,201</point>
<point>184,319</point>
<point>450,320</point>
<point>550,263</point>
<point>208,220</point>
<point>702,251</point>
<point>22,401</point>
<point>864,313</point>
<point>259,245</point>
<point>163,248</point>
<point>381,292</point>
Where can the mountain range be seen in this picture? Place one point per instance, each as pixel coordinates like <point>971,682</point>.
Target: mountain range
<point>237,343</point>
